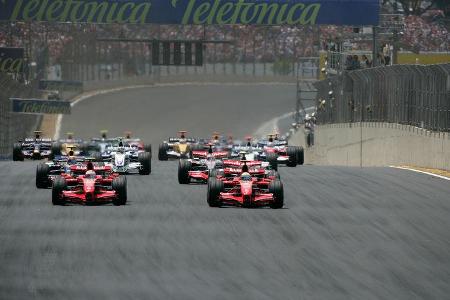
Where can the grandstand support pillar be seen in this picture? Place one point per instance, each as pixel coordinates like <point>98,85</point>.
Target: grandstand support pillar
<point>374,46</point>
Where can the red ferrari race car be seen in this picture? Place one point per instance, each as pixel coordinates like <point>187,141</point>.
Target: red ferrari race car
<point>246,190</point>
<point>89,188</point>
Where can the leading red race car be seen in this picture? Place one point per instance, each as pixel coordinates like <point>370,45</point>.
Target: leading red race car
<point>90,188</point>
<point>245,190</point>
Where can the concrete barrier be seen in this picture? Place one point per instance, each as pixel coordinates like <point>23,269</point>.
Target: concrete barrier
<point>377,144</point>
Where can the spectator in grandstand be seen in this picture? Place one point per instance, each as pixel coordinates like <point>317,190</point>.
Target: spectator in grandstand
<point>366,63</point>
<point>356,63</point>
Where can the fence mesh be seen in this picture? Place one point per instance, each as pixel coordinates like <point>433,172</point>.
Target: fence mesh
<point>14,126</point>
<point>414,95</point>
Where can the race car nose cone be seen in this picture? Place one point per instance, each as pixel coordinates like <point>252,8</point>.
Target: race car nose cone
<point>89,197</point>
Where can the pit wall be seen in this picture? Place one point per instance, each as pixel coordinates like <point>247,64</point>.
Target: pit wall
<point>376,144</point>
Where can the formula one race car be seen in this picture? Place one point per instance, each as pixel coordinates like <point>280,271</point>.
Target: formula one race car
<point>200,167</point>
<point>177,148</point>
<point>234,168</point>
<point>137,142</point>
<point>126,159</point>
<point>245,191</point>
<point>64,146</point>
<point>65,165</point>
<point>90,188</point>
<point>32,148</point>
<point>274,149</point>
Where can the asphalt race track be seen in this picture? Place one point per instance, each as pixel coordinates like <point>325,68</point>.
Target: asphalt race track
<point>345,233</point>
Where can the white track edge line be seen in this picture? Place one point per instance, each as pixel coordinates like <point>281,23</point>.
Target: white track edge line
<point>419,171</point>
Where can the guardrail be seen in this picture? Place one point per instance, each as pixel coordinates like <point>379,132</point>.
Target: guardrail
<point>414,95</point>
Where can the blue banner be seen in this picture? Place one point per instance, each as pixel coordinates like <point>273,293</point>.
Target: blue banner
<point>60,85</point>
<point>39,106</point>
<point>11,60</point>
<point>221,12</point>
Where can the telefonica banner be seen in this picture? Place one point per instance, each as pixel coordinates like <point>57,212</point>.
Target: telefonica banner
<point>221,12</point>
<point>11,60</point>
<point>40,106</point>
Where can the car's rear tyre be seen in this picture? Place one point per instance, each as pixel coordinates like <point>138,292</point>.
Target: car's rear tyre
<point>162,152</point>
<point>59,185</point>
<point>215,187</point>
<point>292,154</point>
<point>276,188</point>
<point>42,181</point>
<point>214,173</point>
<point>272,159</point>
<point>97,156</point>
<point>17,152</point>
<point>184,166</point>
<point>300,155</point>
<point>145,160</point>
<point>84,149</point>
<point>56,150</point>
<point>148,148</point>
<point>119,185</point>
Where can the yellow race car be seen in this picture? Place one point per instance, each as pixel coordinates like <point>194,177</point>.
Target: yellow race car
<point>177,147</point>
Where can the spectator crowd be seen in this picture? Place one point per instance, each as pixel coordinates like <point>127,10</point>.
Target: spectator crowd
<point>56,42</point>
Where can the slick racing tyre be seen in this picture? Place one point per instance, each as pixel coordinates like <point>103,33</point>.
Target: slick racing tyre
<point>215,187</point>
<point>272,159</point>
<point>144,159</point>
<point>214,173</point>
<point>148,148</point>
<point>292,154</point>
<point>97,156</point>
<point>300,155</point>
<point>42,181</point>
<point>276,188</point>
<point>184,166</point>
<point>59,185</point>
<point>56,150</point>
<point>162,152</point>
<point>119,185</point>
<point>17,152</point>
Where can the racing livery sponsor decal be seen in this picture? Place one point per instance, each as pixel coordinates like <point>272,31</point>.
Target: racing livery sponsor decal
<point>263,12</point>
<point>11,60</point>
<point>39,106</point>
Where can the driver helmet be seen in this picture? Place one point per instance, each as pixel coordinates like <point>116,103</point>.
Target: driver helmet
<point>90,174</point>
<point>183,140</point>
<point>246,176</point>
<point>90,170</point>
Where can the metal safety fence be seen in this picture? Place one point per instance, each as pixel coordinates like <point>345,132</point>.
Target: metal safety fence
<point>14,126</point>
<point>414,95</point>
